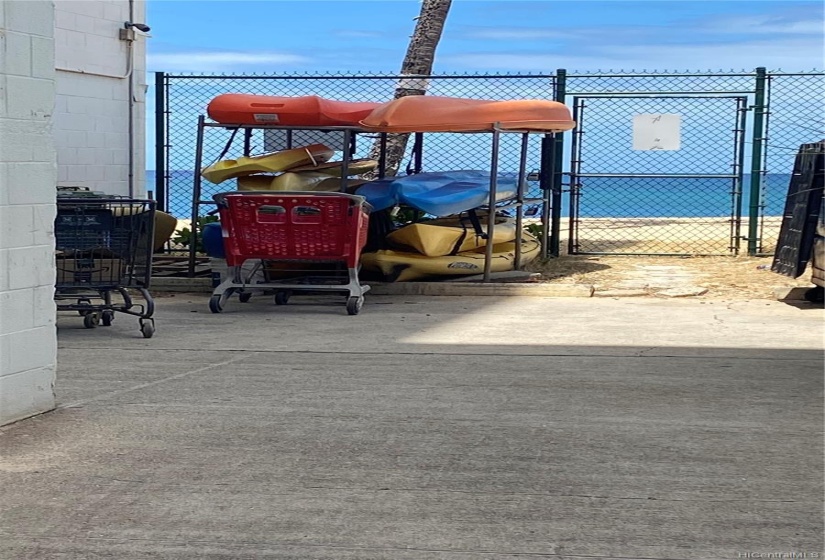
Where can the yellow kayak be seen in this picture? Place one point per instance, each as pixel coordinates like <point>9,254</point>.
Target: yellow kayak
<point>335,168</point>
<point>165,224</point>
<point>450,235</point>
<point>310,181</point>
<point>255,183</point>
<point>307,181</point>
<point>266,163</point>
<point>398,266</point>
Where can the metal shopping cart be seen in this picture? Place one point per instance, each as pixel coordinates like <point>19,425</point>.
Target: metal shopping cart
<point>292,229</point>
<point>104,248</point>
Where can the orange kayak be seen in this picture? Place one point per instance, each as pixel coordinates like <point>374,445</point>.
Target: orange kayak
<point>310,110</point>
<point>427,113</point>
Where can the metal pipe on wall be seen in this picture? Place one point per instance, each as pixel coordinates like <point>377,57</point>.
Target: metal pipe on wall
<point>131,124</point>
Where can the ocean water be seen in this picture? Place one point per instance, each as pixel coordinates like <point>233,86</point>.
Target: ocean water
<point>623,197</point>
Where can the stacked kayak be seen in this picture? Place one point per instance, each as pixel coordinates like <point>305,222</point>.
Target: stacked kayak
<point>430,113</point>
<point>414,113</point>
<point>439,193</point>
<point>223,170</point>
<point>310,110</point>
<point>402,266</point>
<point>298,169</point>
<point>448,247</point>
<point>449,236</point>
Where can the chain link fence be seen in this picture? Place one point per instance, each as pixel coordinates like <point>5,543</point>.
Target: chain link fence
<point>646,199</point>
<point>186,97</point>
<point>794,115</point>
<point>690,216</point>
<point>676,195</point>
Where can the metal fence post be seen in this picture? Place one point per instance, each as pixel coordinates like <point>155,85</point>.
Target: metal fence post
<point>196,198</point>
<point>558,169</point>
<point>759,110</point>
<point>160,140</point>
<point>546,185</point>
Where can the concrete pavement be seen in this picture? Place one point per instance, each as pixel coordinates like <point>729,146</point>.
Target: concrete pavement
<point>448,427</point>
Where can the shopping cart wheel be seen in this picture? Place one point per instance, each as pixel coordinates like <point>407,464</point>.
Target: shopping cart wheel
<point>282,298</point>
<point>107,317</point>
<point>215,304</point>
<point>147,328</point>
<point>91,320</point>
<point>354,305</point>
<point>245,296</point>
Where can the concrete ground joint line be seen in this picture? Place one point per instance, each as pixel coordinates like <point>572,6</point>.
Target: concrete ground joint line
<point>549,495</point>
<point>485,355</point>
<point>148,384</point>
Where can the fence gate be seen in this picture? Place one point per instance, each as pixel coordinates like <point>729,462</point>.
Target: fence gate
<point>657,174</point>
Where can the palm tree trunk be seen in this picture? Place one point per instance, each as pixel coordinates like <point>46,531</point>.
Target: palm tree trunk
<point>417,66</point>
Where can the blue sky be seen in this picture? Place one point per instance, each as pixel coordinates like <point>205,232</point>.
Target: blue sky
<point>485,36</point>
<point>322,37</point>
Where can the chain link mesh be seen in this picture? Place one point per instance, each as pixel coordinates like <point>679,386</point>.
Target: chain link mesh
<point>794,116</point>
<point>702,205</point>
<point>791,101</point>
<point>188,96</point>
<point>691,206</point>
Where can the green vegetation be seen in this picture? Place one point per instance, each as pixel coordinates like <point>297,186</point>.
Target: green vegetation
<point>184,235</point>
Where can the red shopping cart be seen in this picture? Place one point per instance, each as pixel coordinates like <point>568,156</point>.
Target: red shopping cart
<point>292,227</point>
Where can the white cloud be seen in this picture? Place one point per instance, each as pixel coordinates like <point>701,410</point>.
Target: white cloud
<point>809,23</point>
<point>766,25</point>
<point>221,61</point>
<point>790,54</point>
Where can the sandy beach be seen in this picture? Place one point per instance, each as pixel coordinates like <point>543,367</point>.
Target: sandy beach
<point>691,236</point>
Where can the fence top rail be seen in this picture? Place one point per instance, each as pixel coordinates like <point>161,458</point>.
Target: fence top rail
<point>569,74</point>
<point>810,73</point>
<point>662,75</point>
<point>345,76</point>
<point>708,74</point>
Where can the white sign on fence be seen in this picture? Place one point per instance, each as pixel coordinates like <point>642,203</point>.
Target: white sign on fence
<point>657,132</point>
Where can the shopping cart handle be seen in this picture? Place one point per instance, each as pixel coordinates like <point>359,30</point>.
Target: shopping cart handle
<point>220,198</point>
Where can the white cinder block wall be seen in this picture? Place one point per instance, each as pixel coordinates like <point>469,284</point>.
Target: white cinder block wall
<point>28,172</point>
<point>91,123</point>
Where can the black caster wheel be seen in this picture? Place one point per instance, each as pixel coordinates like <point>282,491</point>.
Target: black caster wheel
<point>281,298</point>
<point>91,320</point>
<point>354,305</point>
<point>244,297</point>
<point>215,304</point>
<point>147,328</point>
<point>107,317</point>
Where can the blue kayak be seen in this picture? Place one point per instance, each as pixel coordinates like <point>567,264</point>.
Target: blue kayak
<point>439,193</point>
